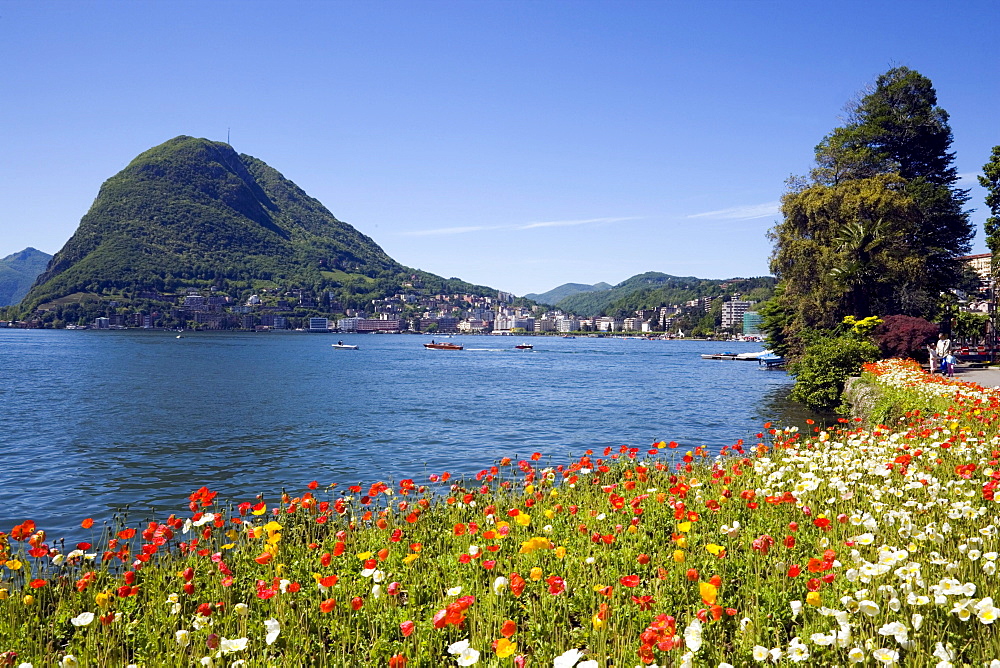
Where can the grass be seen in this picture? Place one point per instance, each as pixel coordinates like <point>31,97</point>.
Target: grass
<point>344,277</point>
<point>874,545</point>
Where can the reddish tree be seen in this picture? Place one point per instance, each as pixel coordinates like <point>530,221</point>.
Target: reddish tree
<point>904,336</point>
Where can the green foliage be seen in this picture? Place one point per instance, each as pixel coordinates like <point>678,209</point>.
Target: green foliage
<point>990,179</point>
<point>971,325</point>
<point>194,213</point>
<point>653,289</point>
<point>879,226</point>
<point>825,366</point>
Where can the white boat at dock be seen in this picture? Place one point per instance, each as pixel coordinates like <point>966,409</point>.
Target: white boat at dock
<point>746,357</point>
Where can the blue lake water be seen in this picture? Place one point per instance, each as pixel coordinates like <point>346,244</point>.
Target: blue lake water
<point>90,421</point>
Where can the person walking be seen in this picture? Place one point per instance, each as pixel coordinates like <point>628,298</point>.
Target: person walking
<point>932,357</point>
<point>943,346</point>
<point>949,364</point>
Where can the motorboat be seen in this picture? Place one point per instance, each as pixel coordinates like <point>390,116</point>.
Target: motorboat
<point>753,356</point>
<point>745,357</point>
<point>771,361</point>
<point>524,346</point>
<point>344,346</point>
<point>442,346</point>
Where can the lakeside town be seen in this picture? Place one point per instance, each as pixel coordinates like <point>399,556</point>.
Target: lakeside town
<point>407,312</point>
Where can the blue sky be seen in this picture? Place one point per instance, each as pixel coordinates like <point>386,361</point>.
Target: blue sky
<point>516,144</point>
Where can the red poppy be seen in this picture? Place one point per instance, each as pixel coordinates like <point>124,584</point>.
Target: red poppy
<point>407,628</point>
<point>327,605</point>
<point>87,523</point>
<point>644,602</point>
<point>630,581</point>
<point>517,584</point>
<point>357,603</point>
<point>397,661</point>
<point>508,629</point>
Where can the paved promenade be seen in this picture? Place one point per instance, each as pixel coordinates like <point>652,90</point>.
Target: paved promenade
<point>985,377</point>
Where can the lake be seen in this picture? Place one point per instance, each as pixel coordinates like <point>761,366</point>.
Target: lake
<point>93,420</point>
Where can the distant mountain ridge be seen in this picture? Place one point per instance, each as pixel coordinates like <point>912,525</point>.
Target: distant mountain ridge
<point>193,214</point>
<point>654,289</point>
<point>565,290</point>
<point>18,272</point>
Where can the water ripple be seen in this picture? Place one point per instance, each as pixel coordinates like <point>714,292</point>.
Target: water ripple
<point>91,421</point>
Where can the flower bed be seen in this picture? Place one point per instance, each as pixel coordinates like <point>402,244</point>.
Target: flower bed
<point>841,545</point>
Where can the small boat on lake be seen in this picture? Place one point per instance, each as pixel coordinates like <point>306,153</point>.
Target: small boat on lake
<point>771,361</point>
<point>753,356</point>
<point>340,345</point>
<point>442,346</point>
<point>523,346</point>
<point>745,357</point>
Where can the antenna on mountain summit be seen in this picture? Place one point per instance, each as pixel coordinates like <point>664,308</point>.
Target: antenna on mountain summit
<point>227,136</point>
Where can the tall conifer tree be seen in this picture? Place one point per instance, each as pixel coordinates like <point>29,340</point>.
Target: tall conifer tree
<point>990,179</point>
<point>878,226</point>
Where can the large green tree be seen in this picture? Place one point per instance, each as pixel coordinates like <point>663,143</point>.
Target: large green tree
<point>878,226</point>
<point>990,179</point>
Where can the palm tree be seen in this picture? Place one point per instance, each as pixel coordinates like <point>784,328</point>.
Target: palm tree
<point>858,242</point>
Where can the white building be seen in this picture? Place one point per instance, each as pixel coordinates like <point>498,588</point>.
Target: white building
<point>319,325</point>
<point>732,313</point>
<point>545,325</point>
<point>609,324</point>
<point>348,324</point>
<point>564,324</point>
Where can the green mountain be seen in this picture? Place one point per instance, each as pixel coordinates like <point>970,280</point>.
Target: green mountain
<point>555,295</point>
<point>18,272</point>
<point>192,213</point>
<point>653,289</point>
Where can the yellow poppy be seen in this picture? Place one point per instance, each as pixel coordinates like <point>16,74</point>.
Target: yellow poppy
<point>505,648</point>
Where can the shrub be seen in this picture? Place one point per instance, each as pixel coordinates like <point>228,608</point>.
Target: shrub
<point>824,367</point>
<point>904,336</point>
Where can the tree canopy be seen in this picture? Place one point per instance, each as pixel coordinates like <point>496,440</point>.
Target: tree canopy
<point>878,226</point>
<point>990,179</point>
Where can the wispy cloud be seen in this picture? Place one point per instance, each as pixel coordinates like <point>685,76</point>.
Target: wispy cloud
<point>969,177</point>
<point>515,227</point>
<point>746,212</point>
